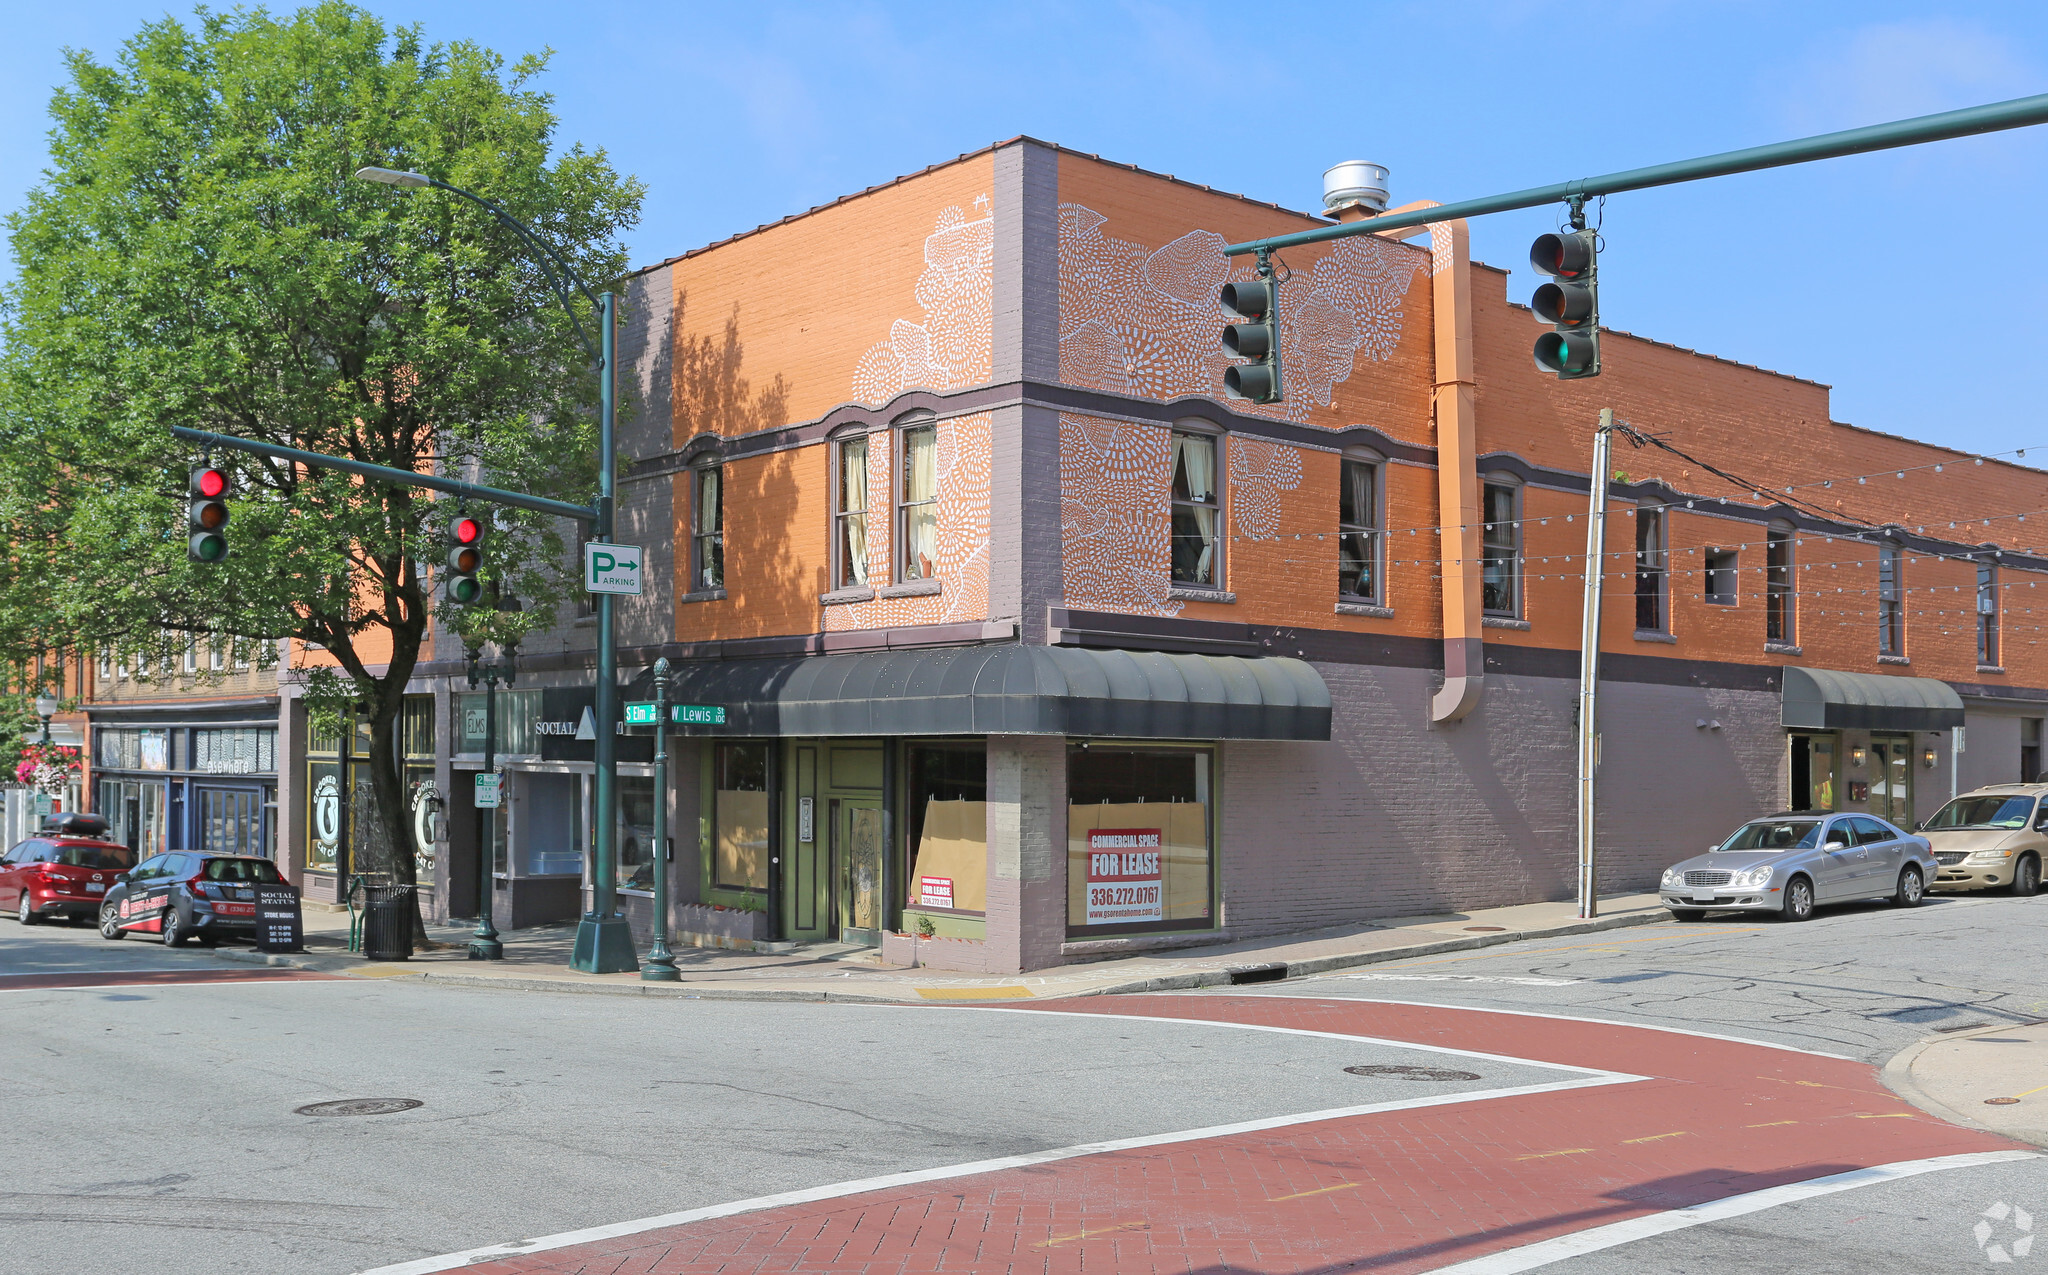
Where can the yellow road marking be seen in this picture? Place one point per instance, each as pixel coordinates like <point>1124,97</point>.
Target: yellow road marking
<point>1772,1125</point>
<point>1889,1115</point>
<point>1490,955</point>
<point>2030,1091</point>
<point>1811,1084</point>
<point>1655,1137</point>
<point>1088,1235</point>
<point>1545,1155</point>
<point>384,973</point>
<point>973,993</point>
<point>1298,1195</point>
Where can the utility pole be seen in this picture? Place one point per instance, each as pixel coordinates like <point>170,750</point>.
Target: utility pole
<point>661,963</point>
<point>1589,664</point>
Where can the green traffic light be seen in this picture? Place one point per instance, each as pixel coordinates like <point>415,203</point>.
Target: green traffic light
<point>465,589</point>
<point>208,546</point>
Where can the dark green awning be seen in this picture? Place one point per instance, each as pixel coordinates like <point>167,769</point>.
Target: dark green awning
<point>1827,699</point>
<point>1013,690</point>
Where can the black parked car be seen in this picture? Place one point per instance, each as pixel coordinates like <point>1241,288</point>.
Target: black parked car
<point>185,894</point>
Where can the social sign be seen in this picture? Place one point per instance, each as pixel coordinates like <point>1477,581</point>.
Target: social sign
<point>279,925</point>
<point>611,568</point>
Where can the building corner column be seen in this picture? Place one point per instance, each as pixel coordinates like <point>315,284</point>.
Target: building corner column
<point>1027,859</point>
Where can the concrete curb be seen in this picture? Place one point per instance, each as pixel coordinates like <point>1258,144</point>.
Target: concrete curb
<point>1352,960</point>
<point>1249,973</point>
<point>1898,1077</point>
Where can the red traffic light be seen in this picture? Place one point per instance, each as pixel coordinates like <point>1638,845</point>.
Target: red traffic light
<point>1566,256</point>
<point>208,482</point>
<point>466,530</point>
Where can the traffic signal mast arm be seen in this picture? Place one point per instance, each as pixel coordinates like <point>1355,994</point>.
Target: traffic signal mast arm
<point>385,473</point>
<point>2018,113</point>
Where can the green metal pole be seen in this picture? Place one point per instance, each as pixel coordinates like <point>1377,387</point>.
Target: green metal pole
<point>2018,113</point>
<point>484,944</point>
<point>604,942</point>
<point>661,963</point>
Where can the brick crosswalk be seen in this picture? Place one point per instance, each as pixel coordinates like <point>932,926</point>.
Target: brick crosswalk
<point>1395,1191</point>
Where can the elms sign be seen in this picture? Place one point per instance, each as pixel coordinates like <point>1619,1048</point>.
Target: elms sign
<point>611,568</point>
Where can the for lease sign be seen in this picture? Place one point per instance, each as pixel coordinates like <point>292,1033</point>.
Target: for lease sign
<point>1124,879</point>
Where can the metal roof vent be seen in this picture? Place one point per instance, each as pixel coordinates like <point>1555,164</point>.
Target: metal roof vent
<point>1355,183</point>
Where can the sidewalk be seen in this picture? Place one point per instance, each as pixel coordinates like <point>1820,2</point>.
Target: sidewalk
<point>538,959</point>
<point>1993,1078</point>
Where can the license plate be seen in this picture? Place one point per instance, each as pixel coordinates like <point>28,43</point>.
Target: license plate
<point>95,887</point>
<point>1702,898</point>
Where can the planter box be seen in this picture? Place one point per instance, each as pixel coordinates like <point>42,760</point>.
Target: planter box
<point>965,956</point>
<point>701,925</point>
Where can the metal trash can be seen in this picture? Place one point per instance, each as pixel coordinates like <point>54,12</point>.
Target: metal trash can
<point>387,922</point>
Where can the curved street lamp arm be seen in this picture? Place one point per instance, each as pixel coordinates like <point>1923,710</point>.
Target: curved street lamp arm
<point>551,261</point>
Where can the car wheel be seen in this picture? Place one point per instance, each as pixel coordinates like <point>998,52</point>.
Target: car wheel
<point>1798,899</point>
<point>2026,878</point>
<point>174,933</point>
<point>1688,914</point>
<point>110,922</point>
<point>26,913</point>
<point>1911,889</point>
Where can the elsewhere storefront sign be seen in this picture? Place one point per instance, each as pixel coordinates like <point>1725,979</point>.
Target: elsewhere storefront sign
<point>1125,883</point>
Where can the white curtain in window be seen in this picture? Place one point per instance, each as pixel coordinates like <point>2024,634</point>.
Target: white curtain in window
<point>921,514</point>
<point>921,468</point>
<point>1197,460</point>
<point>709,507</point>
<point>853,503</point>
<point>1205,526</point>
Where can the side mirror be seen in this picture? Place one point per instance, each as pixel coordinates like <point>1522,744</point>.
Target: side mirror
<point>1836,845</point>
<point>1713,846</point>
<point>120,878</point>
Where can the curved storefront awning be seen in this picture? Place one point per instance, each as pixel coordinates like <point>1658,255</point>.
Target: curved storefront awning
<point>1826,699</point>
<point>1013,690</point>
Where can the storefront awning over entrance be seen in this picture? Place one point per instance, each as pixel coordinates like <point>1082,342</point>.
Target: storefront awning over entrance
<point>1014,690</point>
<point>1825,699</point>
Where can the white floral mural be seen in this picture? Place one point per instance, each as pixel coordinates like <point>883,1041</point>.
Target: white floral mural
<point>951,347</point>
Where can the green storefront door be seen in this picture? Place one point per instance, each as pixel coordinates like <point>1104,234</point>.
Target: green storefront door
<point>833,842</point>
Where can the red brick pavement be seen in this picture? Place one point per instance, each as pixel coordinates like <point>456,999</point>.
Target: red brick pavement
<point>1393,1192</point>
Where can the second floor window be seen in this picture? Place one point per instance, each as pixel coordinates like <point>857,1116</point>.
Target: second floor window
<point>1652,613</point>
<point>918,516</point>
<point>1358,532</point>
<point>1778,611</point>
<point>1500,550</point>
<point>1721,576</point>
<point>1891,601</point>
<point>1196,510</point>
<point>1987,614</point>
<point>850,516</point>
<point>707,530</point>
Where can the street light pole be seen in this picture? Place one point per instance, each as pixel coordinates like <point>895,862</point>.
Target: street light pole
<point>661,963</point>
<point>484,944</point>
<point>604,942</point>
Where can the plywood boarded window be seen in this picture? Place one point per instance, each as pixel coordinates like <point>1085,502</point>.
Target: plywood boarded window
<point>1138,840</point>
<point>739,857</point>
<point>948,842</point>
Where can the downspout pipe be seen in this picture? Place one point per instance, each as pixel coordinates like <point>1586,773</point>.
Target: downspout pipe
<point>1457,461</point>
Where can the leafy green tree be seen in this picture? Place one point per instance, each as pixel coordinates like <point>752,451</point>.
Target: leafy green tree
<point>197,254</point>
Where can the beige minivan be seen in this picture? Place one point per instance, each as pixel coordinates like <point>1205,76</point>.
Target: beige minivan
<point>1992,838</point>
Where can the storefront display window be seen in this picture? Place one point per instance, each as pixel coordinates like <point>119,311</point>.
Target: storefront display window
<point>1138,839</point>
<point>947,832</point>
<point>137,814</point>
<point>551,818</point>
<point>739,855</point>
<point>517,713</point>
<point>635,835</point>
<point>422,794</point>
<point>1813,772</point>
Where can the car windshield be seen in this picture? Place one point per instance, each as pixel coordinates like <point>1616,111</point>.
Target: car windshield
<point>242,870</point>
<point>1986,811</point>
<point>1776,834</point>
<point>112,858</point>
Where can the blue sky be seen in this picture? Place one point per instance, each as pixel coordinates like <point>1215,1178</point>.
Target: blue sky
<point>1909,281</point>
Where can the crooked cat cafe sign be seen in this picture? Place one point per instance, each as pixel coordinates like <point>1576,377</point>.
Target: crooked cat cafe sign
<point>1126,882</point>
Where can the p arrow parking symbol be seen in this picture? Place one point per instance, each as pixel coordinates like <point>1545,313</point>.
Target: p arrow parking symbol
<point>611,568</point>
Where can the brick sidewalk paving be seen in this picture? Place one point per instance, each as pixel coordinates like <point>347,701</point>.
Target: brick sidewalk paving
<point>1397,1191</point>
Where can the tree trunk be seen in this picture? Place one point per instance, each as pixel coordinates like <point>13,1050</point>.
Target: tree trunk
<point>391,842</point>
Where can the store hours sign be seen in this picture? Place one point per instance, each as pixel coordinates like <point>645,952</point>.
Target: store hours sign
<point>1125,881</point>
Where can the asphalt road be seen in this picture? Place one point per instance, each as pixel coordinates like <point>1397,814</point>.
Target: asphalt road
<point>151,1126</point>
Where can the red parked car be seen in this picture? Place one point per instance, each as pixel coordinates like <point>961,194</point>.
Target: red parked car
<point>57,875</point>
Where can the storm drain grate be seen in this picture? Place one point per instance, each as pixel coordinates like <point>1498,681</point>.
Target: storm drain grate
<point>1257,974</point>
<point>358,1107</point>
<point>1411,1073</point>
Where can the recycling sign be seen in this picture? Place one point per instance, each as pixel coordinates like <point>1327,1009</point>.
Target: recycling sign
<point>611,568</point>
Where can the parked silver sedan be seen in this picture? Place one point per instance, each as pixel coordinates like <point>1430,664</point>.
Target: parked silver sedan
<point>1788,863</point>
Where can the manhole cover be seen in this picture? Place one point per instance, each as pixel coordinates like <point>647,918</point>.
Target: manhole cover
<point>1487,929</point>
<point>1411,1073</point>
<point>358,1107</point>
<point>2000,1102</point>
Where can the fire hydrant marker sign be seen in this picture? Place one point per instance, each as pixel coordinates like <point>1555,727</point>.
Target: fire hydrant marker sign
<point>1125,880</point>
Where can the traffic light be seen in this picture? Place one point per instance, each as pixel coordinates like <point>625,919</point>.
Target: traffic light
<point>465,559</point>
<point>206,514</point>
<point>1569,303</point>
<point>1255,304</point>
